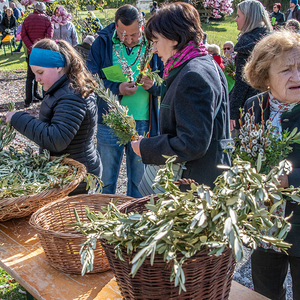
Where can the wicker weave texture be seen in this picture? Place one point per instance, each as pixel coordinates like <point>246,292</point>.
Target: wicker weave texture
<point>59,240</point>
<point>23,206</point>
<point>207,276</point>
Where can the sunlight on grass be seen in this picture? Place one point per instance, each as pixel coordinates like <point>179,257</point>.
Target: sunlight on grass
<point>10,62</point>
<point>218,32</point>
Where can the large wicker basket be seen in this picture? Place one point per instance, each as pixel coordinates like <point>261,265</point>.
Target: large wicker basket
<point>25,205</point>
<point>208,277</point>
<point>60,241</point>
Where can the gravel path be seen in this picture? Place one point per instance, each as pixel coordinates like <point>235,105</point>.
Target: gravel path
<point>12,88</point>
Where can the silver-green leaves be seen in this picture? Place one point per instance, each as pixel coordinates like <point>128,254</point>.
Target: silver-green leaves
<point>179,224</point>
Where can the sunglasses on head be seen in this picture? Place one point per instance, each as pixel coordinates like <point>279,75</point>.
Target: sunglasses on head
<point>226,48</point>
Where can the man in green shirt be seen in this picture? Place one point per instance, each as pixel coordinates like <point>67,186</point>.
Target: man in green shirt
<point>123,39</point>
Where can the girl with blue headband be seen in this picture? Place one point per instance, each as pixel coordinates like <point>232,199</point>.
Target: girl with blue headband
<point>68,115</point>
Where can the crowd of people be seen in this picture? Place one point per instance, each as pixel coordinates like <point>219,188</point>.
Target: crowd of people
<point>200,98</point>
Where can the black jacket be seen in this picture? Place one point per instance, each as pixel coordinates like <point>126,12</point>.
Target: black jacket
<point>289,120</point>
<point>186,120</point>
<point>279,17</point>
<point>242,90</point>
<point>295,13</point>
<point>8,23</point>
<point>66,124</point>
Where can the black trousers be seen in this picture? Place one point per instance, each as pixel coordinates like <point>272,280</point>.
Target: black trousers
<point>269,271</point>
<point>30,86</point>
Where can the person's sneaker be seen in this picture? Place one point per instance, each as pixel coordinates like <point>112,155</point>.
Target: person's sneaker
<point>16,51</point>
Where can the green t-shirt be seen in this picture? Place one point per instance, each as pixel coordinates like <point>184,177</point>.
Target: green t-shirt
<point>138,103</point>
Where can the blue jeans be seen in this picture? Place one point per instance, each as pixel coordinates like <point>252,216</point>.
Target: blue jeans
<point>111,156</point>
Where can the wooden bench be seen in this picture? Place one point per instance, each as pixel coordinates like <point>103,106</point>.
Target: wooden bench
<point>22,256</point>
<point>8,41</point>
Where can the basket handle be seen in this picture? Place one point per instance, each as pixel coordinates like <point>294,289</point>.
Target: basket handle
<point>185,181</point>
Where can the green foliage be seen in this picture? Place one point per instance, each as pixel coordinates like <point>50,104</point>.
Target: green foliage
<point>26,173</point>
<point>123,126</point>
<point>11,289</point>
<point>186,222</point>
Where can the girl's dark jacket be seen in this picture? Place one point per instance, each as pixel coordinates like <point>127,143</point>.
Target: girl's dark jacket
<point>242,90</point>
<point>187,125</point>
<point>66,124</point>
<point>289,120</point>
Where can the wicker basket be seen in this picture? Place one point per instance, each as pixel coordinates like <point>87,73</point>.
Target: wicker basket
<point>59,240</point>
<point>207,276</point>
<point>25,205</point>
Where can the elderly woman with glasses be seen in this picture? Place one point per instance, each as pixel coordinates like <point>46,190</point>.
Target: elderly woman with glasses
<point>274,68</point>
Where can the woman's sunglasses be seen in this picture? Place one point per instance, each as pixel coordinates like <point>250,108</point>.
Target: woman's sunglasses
<point>226,48</point>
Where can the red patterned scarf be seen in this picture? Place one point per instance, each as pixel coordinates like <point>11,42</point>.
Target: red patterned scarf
<point>189,51</point>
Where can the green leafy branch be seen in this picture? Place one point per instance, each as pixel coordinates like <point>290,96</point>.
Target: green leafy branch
<point>117,118</point>
<point>179,224</point>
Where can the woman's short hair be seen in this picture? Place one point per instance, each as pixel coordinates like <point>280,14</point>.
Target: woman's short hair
<point>278,5</point>
<point>177,21</point>
<point>229,43</point>
<point>9,10</point>
<point>275,45</point>
<point>255,15</point>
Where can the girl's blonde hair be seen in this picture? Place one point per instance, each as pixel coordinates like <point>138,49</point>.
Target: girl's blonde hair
<point>255,15</point>
<point>277,45</point>
<point>80,78</point>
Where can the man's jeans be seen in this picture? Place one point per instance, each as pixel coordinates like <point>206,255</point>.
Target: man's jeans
<point>111,156</point>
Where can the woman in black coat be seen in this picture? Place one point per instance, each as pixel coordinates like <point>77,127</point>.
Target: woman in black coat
<point>274,69</point>
<point>253,22</point>
<point>194,116</point>
<point>8,24</point>
<point>278,15</point>
<point>68,113</point>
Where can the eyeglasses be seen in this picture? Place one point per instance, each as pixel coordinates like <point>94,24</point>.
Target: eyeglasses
<point>226,48</point>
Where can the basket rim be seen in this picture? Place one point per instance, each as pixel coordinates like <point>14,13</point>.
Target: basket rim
<point>71,162</point>
<point>45,208</point>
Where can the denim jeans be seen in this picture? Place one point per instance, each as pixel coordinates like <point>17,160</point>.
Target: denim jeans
<point>111,156</point>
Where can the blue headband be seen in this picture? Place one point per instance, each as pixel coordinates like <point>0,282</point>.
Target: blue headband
<point>46,58</point>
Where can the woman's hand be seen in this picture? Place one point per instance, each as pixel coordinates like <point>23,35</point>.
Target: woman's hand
<point>232,124</point>
<point>146,82</point>
<point>284,181</point>
<point>136,146</point>
<point>9,116</point>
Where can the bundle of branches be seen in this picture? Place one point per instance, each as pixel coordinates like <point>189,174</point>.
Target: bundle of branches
<point>117,119</point>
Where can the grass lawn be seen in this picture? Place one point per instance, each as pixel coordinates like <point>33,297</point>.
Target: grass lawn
<point>218,32</point>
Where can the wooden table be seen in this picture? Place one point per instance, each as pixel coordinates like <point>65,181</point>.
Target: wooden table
<point>22,256</point>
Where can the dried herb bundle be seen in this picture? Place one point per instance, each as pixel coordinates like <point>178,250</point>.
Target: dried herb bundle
<point>185,222</point>
<point>25,173</point>
<point>256,140</point>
